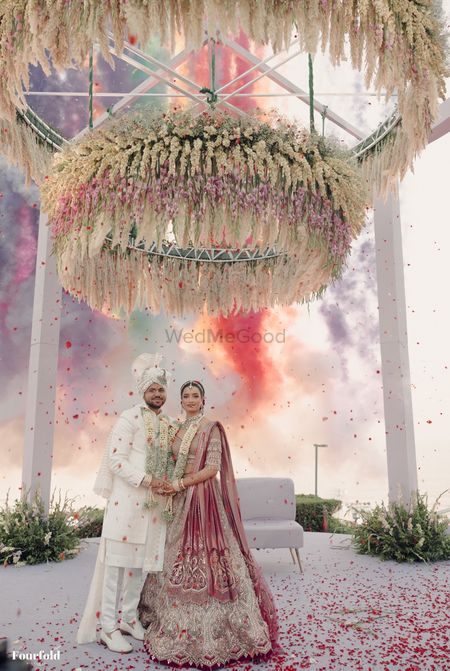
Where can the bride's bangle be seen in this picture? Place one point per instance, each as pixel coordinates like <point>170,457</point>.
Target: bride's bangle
<point>176,485</point>
<point>182,485</point>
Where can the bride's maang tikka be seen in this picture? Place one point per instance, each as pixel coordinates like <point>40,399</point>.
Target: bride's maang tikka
<point>191,384</point>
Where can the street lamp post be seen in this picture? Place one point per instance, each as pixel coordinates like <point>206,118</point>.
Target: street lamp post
<point>317,445</point>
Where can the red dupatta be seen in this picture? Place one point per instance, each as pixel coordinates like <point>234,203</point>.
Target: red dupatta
<point>202,567</point>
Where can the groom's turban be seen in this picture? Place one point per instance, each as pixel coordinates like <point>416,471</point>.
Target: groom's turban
<point>146,370</point>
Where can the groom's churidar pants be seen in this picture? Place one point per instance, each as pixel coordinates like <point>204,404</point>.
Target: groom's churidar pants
<point>132,579</point>
<point>128,563</point>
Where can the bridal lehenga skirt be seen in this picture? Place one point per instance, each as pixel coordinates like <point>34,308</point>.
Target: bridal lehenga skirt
<point>202,635</point>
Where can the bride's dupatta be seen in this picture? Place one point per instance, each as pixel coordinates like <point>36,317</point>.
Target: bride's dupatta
<point>202,566</point>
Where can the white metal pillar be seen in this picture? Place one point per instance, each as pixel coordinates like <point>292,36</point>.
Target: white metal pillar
<point>398,413</point>
<point>41,394</point>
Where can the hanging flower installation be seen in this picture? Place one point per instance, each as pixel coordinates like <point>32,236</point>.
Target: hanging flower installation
<point>215,177</point>
<point>400,46</point>
<point>210,182</point>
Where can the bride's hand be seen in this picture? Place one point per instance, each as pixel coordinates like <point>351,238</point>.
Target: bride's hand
<point>158,484</point>
<point>165,488</point>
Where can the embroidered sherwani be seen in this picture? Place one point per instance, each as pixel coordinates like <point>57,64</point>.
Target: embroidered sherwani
<point>133,535</point>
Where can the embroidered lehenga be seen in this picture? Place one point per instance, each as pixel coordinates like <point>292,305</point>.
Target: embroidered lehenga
<point>211,605</point>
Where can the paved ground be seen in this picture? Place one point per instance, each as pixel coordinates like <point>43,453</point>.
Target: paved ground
<point>345,612</point>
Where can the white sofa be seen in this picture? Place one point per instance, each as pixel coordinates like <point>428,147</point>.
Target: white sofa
<point>268,513</point>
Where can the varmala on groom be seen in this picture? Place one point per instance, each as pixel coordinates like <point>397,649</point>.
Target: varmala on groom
<point>204,602</point>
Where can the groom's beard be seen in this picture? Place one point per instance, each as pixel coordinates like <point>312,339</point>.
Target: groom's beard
<point>155,406</point>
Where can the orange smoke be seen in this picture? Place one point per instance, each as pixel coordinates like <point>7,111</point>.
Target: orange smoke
<point>247,354</point>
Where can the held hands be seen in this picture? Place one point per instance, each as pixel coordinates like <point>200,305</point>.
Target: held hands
<point>163,487</point>
<point>167,490</point>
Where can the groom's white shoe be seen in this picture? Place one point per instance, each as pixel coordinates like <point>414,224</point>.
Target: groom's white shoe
<point>135,629</point>
<point>115,641</point>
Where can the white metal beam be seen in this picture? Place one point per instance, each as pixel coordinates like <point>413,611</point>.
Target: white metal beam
<point>196,97</point>
<point>289,86</point>
<point>237,92</point>
<point>145,86</point>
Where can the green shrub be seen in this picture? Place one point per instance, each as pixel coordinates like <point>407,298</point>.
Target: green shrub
<point>29,536</point>
<point>88,522</point>
<point>404,534</point>
<point>336,526</point>
<point>314,513</point>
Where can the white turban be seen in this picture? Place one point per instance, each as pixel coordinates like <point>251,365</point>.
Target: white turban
<point>146,370</point>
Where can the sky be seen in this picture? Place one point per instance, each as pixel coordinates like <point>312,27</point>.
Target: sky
<point>317,381</point>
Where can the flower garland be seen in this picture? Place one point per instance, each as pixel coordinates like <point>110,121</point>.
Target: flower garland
<point>401,44</point>
<point>185,445</point>
<point>158,462</point>
<point>177,470</point>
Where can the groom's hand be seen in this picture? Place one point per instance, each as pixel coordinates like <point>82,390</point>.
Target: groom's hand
<point>168,489</point>
<point>158,484</point>
<point>165,488</point>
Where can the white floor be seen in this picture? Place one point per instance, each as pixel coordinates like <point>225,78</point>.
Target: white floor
<point>345,612</point>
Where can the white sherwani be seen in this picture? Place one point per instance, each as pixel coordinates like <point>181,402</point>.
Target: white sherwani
<point>133,536</point>
<point>132,532</point>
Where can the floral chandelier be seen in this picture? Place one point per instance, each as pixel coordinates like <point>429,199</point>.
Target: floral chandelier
<point>185,211</point>
<point>400,46</point>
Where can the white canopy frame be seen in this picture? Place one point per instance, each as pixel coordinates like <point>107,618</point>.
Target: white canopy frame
<point>42,376</point>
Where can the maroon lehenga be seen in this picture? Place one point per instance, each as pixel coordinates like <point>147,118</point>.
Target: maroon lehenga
<point>211,604</point>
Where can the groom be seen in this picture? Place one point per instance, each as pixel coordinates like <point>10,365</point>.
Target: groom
<point>134,530</point>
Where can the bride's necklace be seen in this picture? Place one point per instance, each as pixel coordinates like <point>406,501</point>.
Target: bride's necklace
<point>190,426</point>
<point>191,420</point>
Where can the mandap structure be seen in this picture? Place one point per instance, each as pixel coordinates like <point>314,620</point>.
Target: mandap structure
<point>205,204</point>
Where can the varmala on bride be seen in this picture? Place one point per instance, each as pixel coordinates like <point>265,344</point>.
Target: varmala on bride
<point>211,604</point>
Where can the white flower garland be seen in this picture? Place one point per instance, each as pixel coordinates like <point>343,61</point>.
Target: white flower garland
<point>180,464</point>
<point>157,462</point>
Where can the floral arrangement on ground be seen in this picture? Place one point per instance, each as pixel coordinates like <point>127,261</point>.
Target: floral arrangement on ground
<point>29,536</point>
<point>404,533</point>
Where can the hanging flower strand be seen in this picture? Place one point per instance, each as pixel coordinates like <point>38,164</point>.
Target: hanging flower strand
<point>400,47</point>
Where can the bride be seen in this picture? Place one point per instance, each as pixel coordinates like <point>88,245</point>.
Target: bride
<point>210,605</point>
